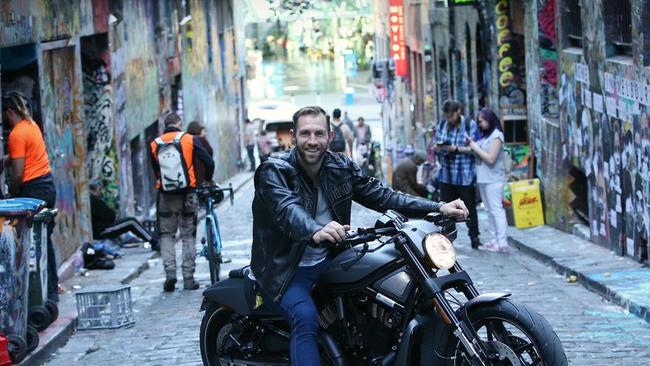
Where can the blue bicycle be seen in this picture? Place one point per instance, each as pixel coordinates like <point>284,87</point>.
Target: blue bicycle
<point>210,195</point>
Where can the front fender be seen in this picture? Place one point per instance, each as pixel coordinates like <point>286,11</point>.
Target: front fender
<point>479,300</point>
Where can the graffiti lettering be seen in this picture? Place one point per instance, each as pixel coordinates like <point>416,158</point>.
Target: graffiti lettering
<point>102,152</point>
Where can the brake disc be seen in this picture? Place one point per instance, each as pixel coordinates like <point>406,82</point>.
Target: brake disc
<point>501,353</point>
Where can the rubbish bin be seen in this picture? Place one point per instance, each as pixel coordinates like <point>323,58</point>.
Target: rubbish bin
<point>15,220</point>
<point>42,311</point>
<point>349,95</point>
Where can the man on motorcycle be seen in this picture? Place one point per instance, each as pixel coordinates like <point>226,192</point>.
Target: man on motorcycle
<point>304,196</point>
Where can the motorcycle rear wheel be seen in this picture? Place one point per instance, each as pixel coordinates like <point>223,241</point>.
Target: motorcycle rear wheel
<point>215,327</point>
<point>214,322</point>
<point>523,331</point>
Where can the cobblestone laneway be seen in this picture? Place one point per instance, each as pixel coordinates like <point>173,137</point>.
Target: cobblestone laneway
<point>166,331</point>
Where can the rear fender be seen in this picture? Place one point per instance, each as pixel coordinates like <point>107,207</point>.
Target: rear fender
<point>236,294</point>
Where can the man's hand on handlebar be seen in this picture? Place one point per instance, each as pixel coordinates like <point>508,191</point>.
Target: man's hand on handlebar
<point>455,209</point>
<point>333,232</point>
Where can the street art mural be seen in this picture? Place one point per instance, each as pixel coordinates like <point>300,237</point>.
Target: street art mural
<point>510,63</point>
<point>64,137</point>
<point>548,57</point>
<point>101,150</point>
<point>607,140</point>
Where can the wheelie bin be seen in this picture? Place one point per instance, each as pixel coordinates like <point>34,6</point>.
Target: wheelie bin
<point>16,217</point>
<point>42,311</point>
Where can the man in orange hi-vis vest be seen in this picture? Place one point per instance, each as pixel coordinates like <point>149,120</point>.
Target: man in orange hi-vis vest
<point>172,160</point>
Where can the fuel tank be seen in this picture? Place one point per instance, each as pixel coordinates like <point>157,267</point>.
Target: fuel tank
<point>371,262</point>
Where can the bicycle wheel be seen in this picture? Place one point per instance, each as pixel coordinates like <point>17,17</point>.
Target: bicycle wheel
<point>213,259</point>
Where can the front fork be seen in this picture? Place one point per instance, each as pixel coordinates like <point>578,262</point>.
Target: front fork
<point>462,329</point>
<point>435,287</point>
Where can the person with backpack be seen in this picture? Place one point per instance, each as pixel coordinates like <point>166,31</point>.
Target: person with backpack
<point>173,163</point>
<point>457,177</point>
<point>343,136</point>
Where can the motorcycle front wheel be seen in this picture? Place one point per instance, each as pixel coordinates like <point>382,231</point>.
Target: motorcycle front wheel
<point>513,335</point>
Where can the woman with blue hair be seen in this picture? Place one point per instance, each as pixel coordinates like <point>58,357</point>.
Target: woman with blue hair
<point>491,176</point>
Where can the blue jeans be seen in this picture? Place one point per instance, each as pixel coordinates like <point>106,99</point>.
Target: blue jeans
<point>299,309</point>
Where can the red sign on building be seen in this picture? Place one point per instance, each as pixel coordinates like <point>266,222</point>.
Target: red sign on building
<point>397,39</point>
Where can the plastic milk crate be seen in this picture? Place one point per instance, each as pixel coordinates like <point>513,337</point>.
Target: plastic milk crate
<point>104,308</point>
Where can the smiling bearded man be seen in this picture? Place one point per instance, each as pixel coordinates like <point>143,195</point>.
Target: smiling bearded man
<point>304,196</point>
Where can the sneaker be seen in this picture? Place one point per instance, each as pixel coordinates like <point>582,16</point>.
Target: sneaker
<point>190,284</point>
<point>490,247</point>
<point>503,248</point>
<point>476,243</point>
<point>169,285</point>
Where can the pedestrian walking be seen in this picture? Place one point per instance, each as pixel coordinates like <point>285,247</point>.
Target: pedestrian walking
<point>491,176</point>
<point>343,136</point>
<point>405,175</point>
<point>196,128</point>
<point>31,175</point>
<point>172,160</point>
<point>457,177</point>
<point>305,195</point>
<point>346,119</point>
<point>363,135</point>
<point>249,141</point>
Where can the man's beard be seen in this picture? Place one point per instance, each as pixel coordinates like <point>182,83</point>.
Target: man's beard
<point>318,159</point>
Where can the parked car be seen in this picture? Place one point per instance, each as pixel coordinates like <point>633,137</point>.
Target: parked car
<point>276,118</point>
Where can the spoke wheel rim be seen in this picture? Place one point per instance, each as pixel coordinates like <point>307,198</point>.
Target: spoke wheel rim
<point>518,345</point>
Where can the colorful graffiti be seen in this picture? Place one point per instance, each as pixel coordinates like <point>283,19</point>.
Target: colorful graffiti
<point>101,159</point>
<point>65,146</point>
<point>512,95</point>
<point>548,57</point>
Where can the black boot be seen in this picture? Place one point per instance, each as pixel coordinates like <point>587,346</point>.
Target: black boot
<point>475,242</point>
<point>169,285</point>
<point>190,284</point>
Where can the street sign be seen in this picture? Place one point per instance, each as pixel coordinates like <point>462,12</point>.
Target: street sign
<point>397,38</point>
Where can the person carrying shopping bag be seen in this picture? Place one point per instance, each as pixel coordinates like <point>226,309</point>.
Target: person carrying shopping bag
<point>491,176</point>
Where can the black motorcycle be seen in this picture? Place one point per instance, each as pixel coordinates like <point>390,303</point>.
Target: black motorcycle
<point>385,299</point>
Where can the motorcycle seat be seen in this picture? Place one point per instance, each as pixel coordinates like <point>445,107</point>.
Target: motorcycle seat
<point>240,272</point>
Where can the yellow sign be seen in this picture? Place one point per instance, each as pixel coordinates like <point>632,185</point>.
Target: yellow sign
<point>527,203</point>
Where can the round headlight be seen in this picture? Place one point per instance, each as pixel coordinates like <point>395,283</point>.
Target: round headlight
<point>440,251</point>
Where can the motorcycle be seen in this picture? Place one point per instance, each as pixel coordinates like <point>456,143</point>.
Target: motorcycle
<point>393,295</point>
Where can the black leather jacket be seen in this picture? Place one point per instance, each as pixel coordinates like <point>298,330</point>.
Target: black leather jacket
<point>284,207</point>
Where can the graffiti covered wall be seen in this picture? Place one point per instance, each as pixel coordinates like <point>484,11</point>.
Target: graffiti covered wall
<point>602,128</point>
<point>101,157</point>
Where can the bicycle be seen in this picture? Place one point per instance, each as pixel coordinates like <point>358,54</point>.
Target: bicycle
<point>210,195</point>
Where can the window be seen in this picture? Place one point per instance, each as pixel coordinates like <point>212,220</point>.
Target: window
<point>617,16</point>
<point>572,23</point>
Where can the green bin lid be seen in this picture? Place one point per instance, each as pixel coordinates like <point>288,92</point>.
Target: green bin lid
<point>46,214</point>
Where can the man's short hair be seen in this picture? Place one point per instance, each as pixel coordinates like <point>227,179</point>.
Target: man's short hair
<point>420,155</point>
<point>309,111</point>
<point>336,113</point>
<point>450,106</point>
<point>172,119</point>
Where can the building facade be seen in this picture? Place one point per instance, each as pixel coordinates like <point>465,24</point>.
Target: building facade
<point>101,76</point>
<point>569,81</point>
